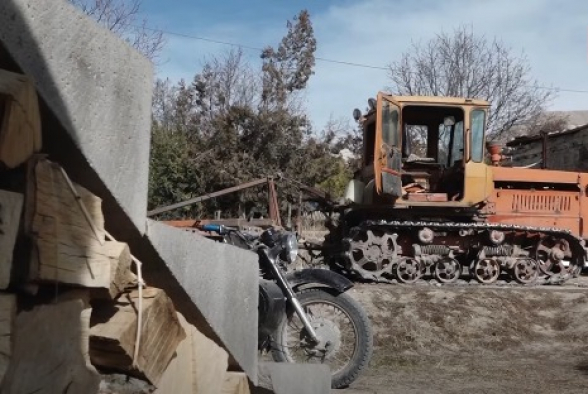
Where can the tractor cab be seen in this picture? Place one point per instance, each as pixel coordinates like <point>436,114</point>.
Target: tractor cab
<point>422,151</point>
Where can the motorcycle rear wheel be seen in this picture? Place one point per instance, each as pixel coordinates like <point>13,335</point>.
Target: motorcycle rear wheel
<point>347,328</point>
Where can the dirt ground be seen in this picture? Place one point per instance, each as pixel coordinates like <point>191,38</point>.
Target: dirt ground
<point>476,339</point>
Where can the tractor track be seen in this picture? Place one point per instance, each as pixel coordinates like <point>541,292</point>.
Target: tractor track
<point>382,269</point>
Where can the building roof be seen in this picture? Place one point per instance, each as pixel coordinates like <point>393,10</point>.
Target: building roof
<point>574,118</point>
<point>575,121</point>
<point>437,100</point>
<point>537,137</point>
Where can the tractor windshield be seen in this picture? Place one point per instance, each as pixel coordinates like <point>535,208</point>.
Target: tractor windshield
<point>426,137</point>
<point>450,144</point>
<point>478,120</point>
<point>389,124</point>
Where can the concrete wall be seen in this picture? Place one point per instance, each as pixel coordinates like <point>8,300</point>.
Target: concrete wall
<point>564,152</point>
<point>281,378</point>
<point>220,280</point>
<point>98,88</point>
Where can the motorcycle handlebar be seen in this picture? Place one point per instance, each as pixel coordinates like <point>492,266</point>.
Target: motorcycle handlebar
<point>216,228</point>
<point>224,230</point>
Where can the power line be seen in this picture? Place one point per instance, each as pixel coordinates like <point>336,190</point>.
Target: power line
<point>323,59</point>
<point>171,33</point>
<point>351,63</point>
<point>258,49</point>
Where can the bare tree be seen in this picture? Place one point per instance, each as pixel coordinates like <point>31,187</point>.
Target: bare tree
<point>122,18</point>
<point>227,84</point>
<point>465,65</point>
<point>226,80</point>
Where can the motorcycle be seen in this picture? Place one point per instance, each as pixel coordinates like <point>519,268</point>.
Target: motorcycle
<point>305,315</point>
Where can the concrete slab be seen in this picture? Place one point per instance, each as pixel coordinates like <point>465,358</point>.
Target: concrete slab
<point>97,86</point>
<point>220,280</point>
<point>285,378</point>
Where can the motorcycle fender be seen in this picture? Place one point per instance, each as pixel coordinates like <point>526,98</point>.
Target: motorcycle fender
<point>312,277</point>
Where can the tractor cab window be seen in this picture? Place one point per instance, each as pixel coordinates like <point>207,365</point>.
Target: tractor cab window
<point>426,137</point>
<point>414,143</point>
<point>432,153</point>
<point>478,120</point>
<point>369,138</point>
<point>389,124</point>
<point>451,144</point>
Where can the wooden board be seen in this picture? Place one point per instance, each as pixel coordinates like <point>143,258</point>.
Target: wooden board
<point>210,363</point>
<point>20,121</point>
<point>113,333</point>
<point>10,213</point>
<point>50,351</point>
<point>67,249</point>
<point>199,366</point>
<point>235,383</point>
<point>121,277</point>
<point>7,316</point>
<point>426,197</point>
<point>178,376</point>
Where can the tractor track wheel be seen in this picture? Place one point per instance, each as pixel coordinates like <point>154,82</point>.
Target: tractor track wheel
<point>408,270</point>
<point>447,270</point>
<point>486,271</point>
<point>525,271</point>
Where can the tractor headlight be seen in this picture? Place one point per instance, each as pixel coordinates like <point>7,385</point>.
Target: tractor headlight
<point>290,248</point>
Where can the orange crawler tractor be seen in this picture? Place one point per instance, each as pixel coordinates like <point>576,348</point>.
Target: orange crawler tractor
<point>431,202</point>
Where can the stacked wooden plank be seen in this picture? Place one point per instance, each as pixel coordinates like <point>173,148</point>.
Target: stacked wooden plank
<point>68,254</point>
<point>113,335</point>
<point>200,368</point>
<point>68,235</point>
<point>20,122</point>
<point>49,350</point>
<point>71,307</point>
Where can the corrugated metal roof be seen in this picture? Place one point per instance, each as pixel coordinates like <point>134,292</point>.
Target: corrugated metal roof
<point>574,118</point>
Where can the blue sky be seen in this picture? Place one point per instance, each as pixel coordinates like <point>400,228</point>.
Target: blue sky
<point>554,37</point>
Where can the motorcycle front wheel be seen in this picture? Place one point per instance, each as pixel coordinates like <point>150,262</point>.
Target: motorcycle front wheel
<point>344,330</point>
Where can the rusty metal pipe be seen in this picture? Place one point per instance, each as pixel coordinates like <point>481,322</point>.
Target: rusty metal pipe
<point>207,197</point>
